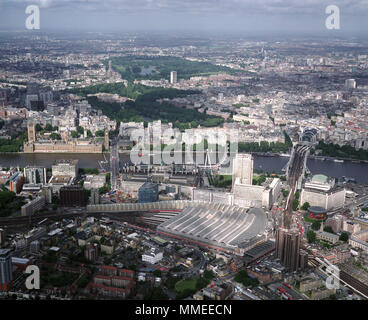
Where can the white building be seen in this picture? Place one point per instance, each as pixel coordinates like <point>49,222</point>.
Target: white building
<point>94,181</point>
<point>321,191</point>
<point>152,256</point>
<point>350,84</point>
<point>243,168</point>
<point>320,182</point>
<point>65,168</point>
<point>173,77</point>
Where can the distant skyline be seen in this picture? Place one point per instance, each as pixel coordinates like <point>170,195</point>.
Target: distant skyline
<point>250,17</point>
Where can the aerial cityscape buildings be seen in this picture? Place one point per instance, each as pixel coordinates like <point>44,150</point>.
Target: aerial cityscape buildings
<point>183,166</point>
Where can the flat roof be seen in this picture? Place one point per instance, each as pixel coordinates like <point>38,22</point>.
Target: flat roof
<point>60,179</point>
<point>320,178</point>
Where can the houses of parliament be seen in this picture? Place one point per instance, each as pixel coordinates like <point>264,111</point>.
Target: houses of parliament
<point>66,145</point>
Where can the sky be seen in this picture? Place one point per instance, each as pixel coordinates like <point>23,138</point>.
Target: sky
<point>240,16</point>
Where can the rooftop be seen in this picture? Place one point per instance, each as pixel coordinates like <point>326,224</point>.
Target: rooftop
<point>320,178</point>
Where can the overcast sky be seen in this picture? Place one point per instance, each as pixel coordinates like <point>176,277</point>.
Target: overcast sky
<point>245,16</point>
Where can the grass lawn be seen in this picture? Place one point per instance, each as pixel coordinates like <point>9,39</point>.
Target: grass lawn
<point>186,284</point>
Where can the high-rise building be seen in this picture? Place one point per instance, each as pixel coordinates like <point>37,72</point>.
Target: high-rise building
<point>35,246</point>
<point>95,197</point>
<point>350,84</point>
<point>6,270</point>
<point>91,251</point>
<point>15,182</point>
<point>65,168</point>
<point>3,98</point>
<point>109,71</point>
<point>243,168</point>
<point>35,175</point>
<point>47,193</point>
<point>71,196</point>
<point>33,206</point>
<point>288,249</point>
<point>148,192</point>
<point>2,236</point>
<point>173,77</point>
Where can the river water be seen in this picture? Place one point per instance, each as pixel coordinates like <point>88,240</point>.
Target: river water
<point>358,171</point>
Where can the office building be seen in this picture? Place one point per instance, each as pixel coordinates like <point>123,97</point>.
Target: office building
<point>288,249</point>
<point>321,191</point>
<point>6,270</point>
<point>243,169</point>
<point>91,251</point>
<point>35,175</point>
<point>15,182</point>
<point>47,193</point>
<point>94,181</point>
<point>3,98</point>
<point>95,196</point>
<point>148,192</point>
<point>71,196</point>
<point>351,226</point>
<point>65,168</point>
<point>350,84</point>
<point>2,236</point>
<point>35,246</point>
<point>33,206</point>
<point>152,256</point>
<point>336,223</point>
<point>173,77</point>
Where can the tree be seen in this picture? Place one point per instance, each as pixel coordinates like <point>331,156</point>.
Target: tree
<point>48,127</point>
<point>328,229</point>
<point>38,127</point>
<point>316,225</point>
<point>243,278</point>
<point>82,282</point>
<point>80,130</point>
<point>297,194</point>
<point>157,273</point>
<point>305,206</point>
<point>295,204</point>
<point>344,237</point>
<point>55,136</point>
<point>311,236</point>
<point>208,274</point>
<point>74,134</point>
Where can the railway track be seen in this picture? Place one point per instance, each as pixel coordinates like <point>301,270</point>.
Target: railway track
<point>295,171</point>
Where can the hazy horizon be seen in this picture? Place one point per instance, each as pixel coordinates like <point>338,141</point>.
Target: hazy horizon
<point>202,16</point>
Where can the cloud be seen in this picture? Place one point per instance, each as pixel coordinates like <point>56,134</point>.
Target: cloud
<point>238,15</point>
<point>350,7</point>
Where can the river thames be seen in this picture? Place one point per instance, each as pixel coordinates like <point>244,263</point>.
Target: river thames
<point>358,171</point>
